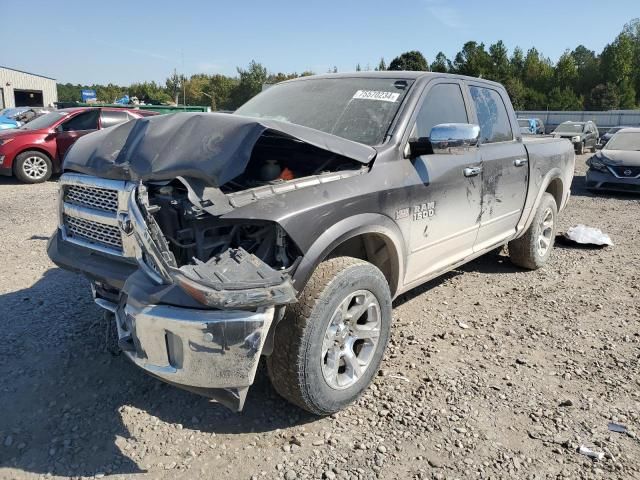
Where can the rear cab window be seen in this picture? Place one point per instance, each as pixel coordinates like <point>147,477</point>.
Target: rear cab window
<point>493,117</point>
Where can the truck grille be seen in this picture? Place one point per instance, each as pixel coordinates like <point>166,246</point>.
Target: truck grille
<point>99,198</point>
<point>89,213</point>
<point>93,232</point>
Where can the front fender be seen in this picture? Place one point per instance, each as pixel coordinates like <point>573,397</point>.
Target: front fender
<point>346,229</point>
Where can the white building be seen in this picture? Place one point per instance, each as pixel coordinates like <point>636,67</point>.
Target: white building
<point>23,89</point>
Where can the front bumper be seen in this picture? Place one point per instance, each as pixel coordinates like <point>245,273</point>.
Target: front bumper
<point>95,265</point>
<point>597,180</point>
<point>210,347</point>
<point>211,352</point>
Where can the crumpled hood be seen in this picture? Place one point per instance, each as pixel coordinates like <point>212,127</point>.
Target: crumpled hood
<point>212,147</point>
<point>619,157</point>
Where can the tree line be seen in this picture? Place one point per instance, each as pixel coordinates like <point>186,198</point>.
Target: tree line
<point>580,79</point>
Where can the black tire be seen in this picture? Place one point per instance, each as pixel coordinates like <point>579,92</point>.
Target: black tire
<point>32,167</point>
<point>580,149</point>
<point>524,251</point>
<point>296,365</point>
<point>594,149</point>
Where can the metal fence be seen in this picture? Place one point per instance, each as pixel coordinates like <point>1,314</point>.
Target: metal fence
<point>603,120</point>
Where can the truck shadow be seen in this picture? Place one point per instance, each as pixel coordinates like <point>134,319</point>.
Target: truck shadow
<point>71,408</point>
<point>495,261</point>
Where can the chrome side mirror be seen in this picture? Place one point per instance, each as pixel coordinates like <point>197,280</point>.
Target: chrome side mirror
<point>454,138</point>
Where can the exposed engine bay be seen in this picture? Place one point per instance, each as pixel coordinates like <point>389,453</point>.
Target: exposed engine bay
<point>277,158</point>
<point>194,235</point>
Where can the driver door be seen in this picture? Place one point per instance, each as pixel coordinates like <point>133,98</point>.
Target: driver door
<point>68,132</point>
<point>445,207</point>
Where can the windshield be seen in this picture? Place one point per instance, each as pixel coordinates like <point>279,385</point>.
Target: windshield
<point>45,121</point>
<point>629,141</point>
<point>569,128</point>
<point>359,109</point>
<point>524,123</point>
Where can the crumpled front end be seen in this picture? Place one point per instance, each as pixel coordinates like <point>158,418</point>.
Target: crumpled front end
<point>200,324</point>
<point>184,205</point>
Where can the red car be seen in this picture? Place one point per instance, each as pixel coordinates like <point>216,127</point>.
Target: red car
<point>34,151</point>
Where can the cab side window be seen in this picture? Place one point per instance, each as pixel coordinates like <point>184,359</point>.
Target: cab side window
<point>443,104</point>
<point>492,115</point>
<point>83,121</point>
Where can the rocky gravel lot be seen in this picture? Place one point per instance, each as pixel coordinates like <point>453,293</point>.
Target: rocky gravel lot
<point>492,372</point>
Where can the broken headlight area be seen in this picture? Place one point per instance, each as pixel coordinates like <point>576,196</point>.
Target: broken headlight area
<point>220,263</point>
<point>597,164</point>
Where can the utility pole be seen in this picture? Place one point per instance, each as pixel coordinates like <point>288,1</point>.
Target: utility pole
<point>184,83</point>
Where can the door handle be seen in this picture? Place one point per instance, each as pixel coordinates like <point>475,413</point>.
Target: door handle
<point>520,162</point>
<point>472,171</point>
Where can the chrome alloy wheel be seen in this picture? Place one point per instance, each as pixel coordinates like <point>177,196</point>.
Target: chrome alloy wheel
<point>35,167</point>
<point>350,339</point>
<point>546,232</point>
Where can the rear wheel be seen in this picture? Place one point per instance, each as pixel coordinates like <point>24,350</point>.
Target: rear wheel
<point>532,250</point>
<point>32,167</point>
<point>330,344</point>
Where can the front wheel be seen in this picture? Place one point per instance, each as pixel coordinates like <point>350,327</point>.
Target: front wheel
<point>330,344</point>
<point>580,148</point>
<point>532,250</point>
<point>32,167</point>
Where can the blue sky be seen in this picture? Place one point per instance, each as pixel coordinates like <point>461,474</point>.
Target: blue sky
<point>127,41</point>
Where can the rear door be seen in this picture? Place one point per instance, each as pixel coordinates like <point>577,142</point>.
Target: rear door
<point>505,168</point>
<point>71,130</point>
<point>445,207</point>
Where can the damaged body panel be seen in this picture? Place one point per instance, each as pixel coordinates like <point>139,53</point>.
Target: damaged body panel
<point>163,147</point>
<point>216,222</point>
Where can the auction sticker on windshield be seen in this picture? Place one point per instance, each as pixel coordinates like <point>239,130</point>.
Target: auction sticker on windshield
<point>376,95</point>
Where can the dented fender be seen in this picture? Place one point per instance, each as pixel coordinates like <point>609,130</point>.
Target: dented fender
<point>340,232</point>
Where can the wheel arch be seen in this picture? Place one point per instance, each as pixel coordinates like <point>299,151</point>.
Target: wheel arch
<point>556,188</point>
<point>552,183</point>
<point>371,237</point>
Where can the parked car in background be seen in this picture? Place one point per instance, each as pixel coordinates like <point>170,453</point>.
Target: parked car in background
<point>8,123</point>
<point>8,118</point>
<point>607,136</point>
<point>531,126</point>
<point>35,150</point>
<point>16,117</point>
<point>617,165</point>
<point>583,135</point>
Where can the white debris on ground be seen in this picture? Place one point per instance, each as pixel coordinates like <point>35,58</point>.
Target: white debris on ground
<point>588,236</point>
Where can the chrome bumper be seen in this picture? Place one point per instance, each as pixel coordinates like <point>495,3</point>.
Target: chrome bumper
<point>211,352</point>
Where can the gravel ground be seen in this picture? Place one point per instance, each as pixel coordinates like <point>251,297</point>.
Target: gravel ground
<point>492,372</point>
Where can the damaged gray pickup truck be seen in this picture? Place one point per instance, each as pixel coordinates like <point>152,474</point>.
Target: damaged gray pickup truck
<point>286,229</point>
